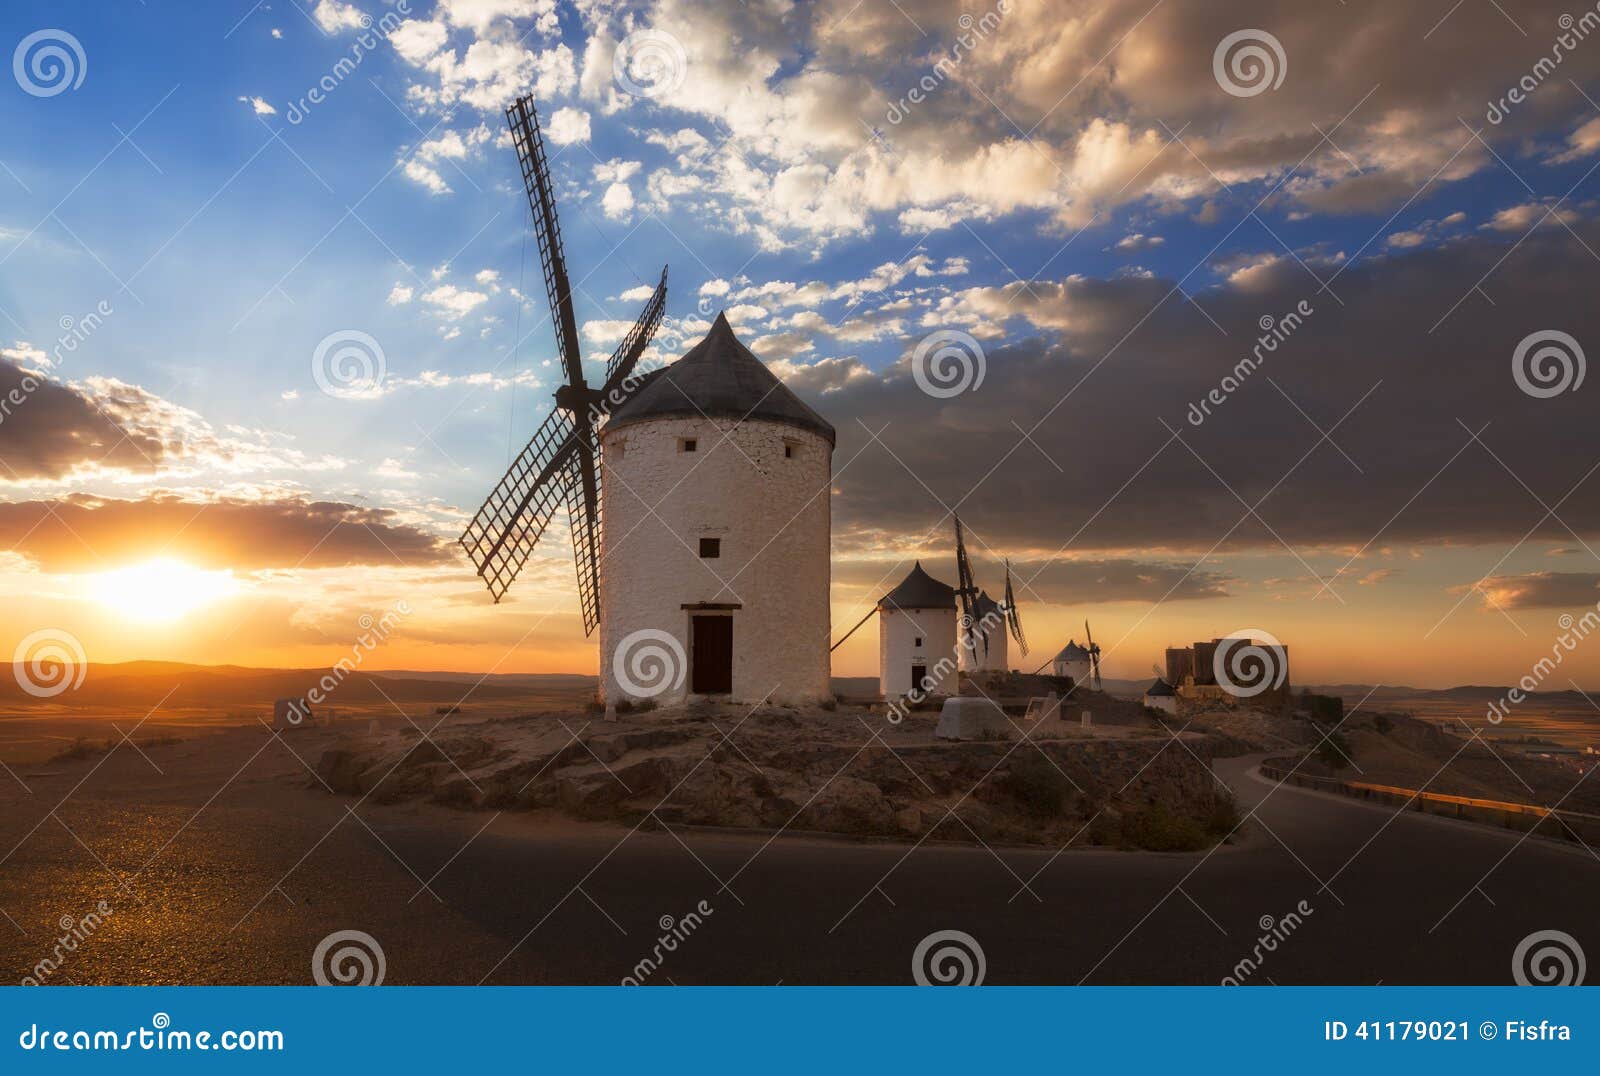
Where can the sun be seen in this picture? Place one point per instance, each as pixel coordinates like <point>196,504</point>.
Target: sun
<point>160,590</point>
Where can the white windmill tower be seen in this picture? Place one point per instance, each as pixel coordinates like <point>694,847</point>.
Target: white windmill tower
<point>1073,662</point>
<point>711,574</point>
<point>717,529</point>
<point>917,637</point>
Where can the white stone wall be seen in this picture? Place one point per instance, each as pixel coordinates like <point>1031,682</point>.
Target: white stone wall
<point>772,515</point>
<point>898,632</point>
<point>996,658</point>
<point>1078,670</point>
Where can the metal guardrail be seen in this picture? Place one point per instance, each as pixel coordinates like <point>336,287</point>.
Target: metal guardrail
<point>1572,825</point>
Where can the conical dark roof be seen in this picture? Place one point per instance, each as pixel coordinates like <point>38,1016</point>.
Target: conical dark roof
<point>719,378</point>
<point>985,605</point>
<point>919,590</point>
<point>1072,652</point>
<point>1160,687</point>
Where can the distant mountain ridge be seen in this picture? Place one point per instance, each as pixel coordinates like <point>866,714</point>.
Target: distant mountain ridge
<point>145,682</point>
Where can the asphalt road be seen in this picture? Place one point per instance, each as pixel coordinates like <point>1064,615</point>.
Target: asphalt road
<point>243,890</point>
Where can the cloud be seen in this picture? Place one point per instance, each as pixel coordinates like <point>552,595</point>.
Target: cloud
<point>1583,142</point>
<point>334,16</point>
<point>1520,218</point>
<point>261,107</point>
<point>1424,232</point>
<point>81,533</point>
<point>1542,590</point>
<point>568,125</point>
<point>452,302</point>
<point>1065,581</point>
<point>810,142</point>
<point>1108,370</point>
<point>618,201</point>
<point>1137,241</point>
<point>487,64</point>
<point>401,294</point>
<point>426,176</point>
<point>57,430</point>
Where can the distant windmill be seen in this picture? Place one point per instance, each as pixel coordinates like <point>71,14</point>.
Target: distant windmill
<point>980,613</point>
<point>1094,657</point>
<point>561,460</point>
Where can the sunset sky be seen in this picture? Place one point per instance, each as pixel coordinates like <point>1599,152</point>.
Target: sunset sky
<point>1078,191</point>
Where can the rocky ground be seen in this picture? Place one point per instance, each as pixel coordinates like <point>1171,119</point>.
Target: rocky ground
<point>841,771</point>
<point>1395,749</point>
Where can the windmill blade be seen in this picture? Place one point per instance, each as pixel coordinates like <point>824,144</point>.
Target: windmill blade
<point>1094,656</point>
<point>514,515</point>
<point>627,354</point>
<point>965,586</point>
<point>1012,616</point>
<point>583,510</point>
<point>969,594</point>
<point>529,143</point>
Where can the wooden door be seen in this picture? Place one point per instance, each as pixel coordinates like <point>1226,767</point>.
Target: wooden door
<point>917,673</point>
<point>712,662</point>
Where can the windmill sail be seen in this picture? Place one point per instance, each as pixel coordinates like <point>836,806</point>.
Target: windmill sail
<point>968,590</point>
<point>1011,614</point>
<point>513,518</point>
<point>561,462</point>
<point>1094,657</point>
<point>529,143</point>
<point>623,360</point>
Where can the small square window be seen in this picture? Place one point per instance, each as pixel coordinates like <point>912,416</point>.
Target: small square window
<point>788,450</point>
<point>687,444</point>
<point>710,548</point>
<point>919,640</point>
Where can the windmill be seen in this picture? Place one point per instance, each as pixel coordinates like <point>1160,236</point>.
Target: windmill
<point>1094,657</point>
<point>1011,614</point>
<point>967,591</point>
<point>561,460</point>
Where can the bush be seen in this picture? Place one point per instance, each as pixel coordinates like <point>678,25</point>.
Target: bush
<point>1038,786</point>
<point>1223,819</point>
<point>1328,709</point>
<point>1156,829</point>
<point>81,748</point>
<point>1382,724</point>
<point>1334,751</point>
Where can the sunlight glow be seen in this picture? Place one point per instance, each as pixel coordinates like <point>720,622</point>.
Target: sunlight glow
<point>159,590</point>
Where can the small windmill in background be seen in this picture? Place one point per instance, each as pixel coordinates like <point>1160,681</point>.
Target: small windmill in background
<point>1094,658</point>
<point>975,603</point>
<point>561,461</point>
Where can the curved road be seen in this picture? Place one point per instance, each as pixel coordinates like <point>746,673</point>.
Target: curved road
<point>243,890</point>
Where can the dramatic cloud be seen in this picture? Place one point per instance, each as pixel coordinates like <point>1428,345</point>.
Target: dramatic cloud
<point>81,533</point>
<point>1062,582</point>
<point>1128,448</point>
<point>50,431</point>
<point>1543,590</point>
